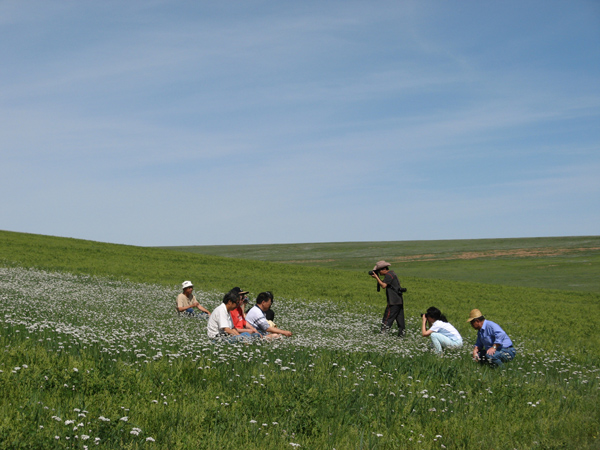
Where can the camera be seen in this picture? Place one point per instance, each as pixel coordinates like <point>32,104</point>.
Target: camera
<point>372,272</point>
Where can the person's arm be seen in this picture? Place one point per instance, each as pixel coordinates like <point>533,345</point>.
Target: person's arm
<point>497,334</point>
<point>225,323</point>
<point>491,350</point>
<point>477,346</point>
<point>231,331</point>
<point>248,329</point>
<point>181,307</point>
<point>202,308</point>
<point>181,301</point>
<point>381,283</point>
<point>424,331</point>
<point>278,331</point>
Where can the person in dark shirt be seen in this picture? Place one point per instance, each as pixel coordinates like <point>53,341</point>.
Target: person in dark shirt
<point>393,292</point>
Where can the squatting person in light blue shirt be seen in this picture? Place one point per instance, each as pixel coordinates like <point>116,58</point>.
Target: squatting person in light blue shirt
<point>493,344</point>
<point>443,335</point>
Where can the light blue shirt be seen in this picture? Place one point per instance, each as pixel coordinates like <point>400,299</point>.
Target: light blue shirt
<point>490,333</point>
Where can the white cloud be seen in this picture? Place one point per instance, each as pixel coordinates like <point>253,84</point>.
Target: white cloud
<point>321,117</point>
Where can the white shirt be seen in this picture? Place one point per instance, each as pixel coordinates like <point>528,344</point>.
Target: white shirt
<point>218,320</point>
<point>446,329</point>
<point>256,318</point>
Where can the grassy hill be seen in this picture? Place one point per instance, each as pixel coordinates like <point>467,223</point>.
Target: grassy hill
<point>351,288</point>
<point>566,263</point>
<point>104,361</point>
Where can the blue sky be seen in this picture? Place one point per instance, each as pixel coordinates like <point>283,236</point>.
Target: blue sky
<point>246,122</point>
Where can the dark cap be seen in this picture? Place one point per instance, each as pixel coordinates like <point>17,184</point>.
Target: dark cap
<point>238,291</point>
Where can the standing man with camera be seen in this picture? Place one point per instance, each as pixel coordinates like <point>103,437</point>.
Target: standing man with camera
<point>393,292</point>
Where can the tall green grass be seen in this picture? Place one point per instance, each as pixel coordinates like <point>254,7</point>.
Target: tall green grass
<point>273,397</point>
<point>331,400</point>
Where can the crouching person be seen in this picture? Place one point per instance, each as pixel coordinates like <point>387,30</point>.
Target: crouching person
<point>220,324</point>
<point>493,344</point>
<point>256,316</point>
<point>443,335</point>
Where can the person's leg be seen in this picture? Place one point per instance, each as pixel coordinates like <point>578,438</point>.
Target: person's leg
<point>501,356</point>
<point>482,356</point>
<point>242,337</point>
<point>457,343</point>
<point>386,323</point>
<point>391,316</point>
<point>440,342</point>
<point>400,320</point>
<point>187,312</point>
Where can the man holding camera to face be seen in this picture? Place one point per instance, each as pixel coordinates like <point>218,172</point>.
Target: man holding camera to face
<point>393,291</point>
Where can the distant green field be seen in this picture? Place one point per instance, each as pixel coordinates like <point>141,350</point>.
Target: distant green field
<point>566,263</point>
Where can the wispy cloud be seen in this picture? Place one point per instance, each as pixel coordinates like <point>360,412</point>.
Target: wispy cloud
<point>320,116</point>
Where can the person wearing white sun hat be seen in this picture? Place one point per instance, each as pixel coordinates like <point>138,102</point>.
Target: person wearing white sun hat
<point>186,302</point>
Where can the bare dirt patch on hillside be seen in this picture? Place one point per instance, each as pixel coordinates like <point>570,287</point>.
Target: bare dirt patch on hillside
<point>514,253</point>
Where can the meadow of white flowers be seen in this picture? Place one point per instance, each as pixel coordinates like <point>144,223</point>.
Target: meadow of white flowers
<point>140,320</point>
<point>137,323</point>
<point>126,316</point>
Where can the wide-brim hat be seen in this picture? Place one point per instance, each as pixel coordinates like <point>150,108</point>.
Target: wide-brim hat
<point>381,265</point>
<point>186,284</point>
<point>474,314</point>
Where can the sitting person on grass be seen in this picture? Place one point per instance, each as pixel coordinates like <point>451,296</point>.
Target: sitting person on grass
<point>220,326</point>
<point>443,335</point>
<point>238,316</point>
<point>186,302</point>
<point>256,316</point>
<point>270,316</point>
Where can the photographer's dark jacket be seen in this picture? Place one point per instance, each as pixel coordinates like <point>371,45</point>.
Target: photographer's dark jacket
<point>392,291</point>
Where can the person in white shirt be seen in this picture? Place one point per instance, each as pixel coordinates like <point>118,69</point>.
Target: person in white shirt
<point>220,325</point>
<point>443,335</point>
<point>256,316</point>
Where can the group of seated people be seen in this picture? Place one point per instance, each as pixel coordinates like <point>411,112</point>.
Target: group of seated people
<point>229,321</point>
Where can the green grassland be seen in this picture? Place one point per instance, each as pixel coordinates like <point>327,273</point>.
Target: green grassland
<point>351,289</point>
<point>194,394</point>
<point>566,263</point>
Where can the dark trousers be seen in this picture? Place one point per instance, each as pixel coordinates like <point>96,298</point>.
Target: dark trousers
<point>393,313</point>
